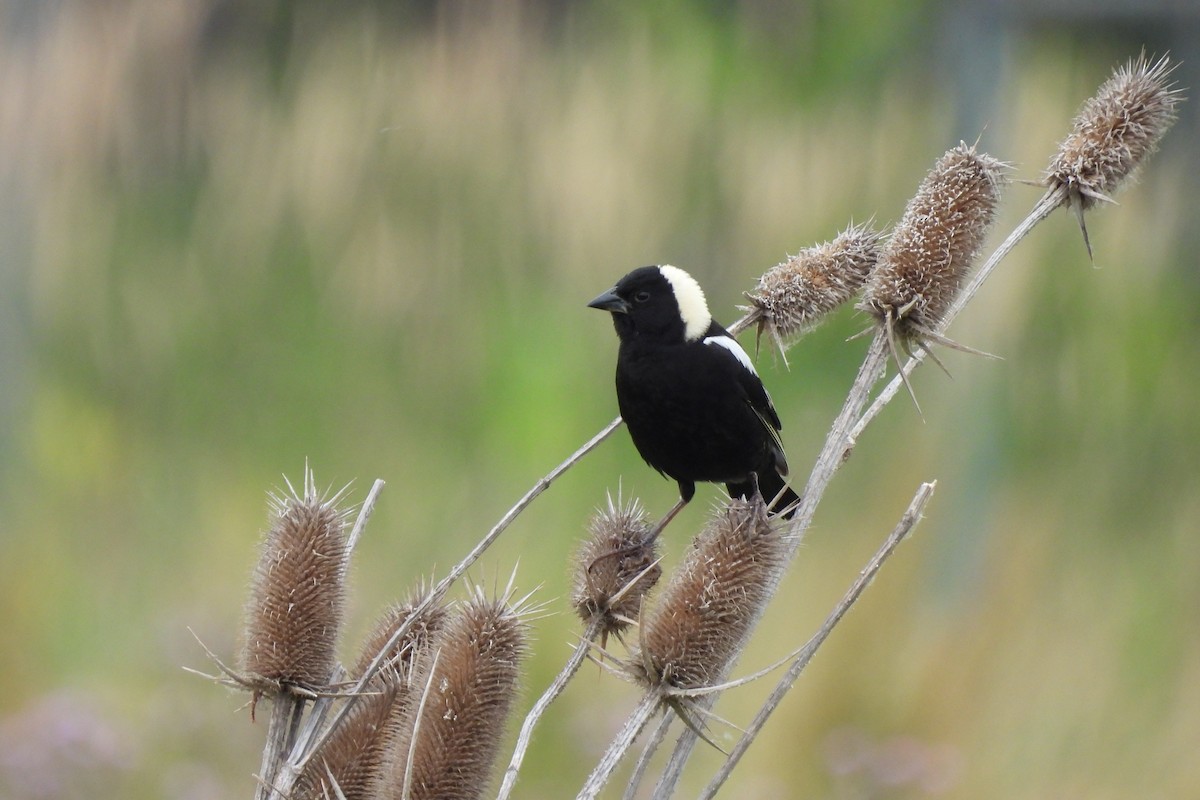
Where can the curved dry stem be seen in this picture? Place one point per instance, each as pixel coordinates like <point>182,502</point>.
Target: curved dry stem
<point>908,521</point>
<point>556,688</point>
<point>643,763</point>
<point>620,745</point>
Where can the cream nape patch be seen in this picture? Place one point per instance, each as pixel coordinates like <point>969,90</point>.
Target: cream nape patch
<point>690,298</point>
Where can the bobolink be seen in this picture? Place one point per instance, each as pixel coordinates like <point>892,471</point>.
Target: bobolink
<point>694,405</point>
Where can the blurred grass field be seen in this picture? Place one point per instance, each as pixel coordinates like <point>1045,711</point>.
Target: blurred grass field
<point>238,238</point>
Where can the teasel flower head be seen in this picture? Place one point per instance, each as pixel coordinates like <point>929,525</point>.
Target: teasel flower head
<point>932,248</point>
<point>463,689</point>
<point>1113,133</point>
<point>352,759</point>
<point>688,640</point>
<point>793,297</point>
<point>297,595</point>
<point>402,652</point>
<point>615,568</point>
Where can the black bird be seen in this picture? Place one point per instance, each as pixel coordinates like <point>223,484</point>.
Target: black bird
<point>695,407</point>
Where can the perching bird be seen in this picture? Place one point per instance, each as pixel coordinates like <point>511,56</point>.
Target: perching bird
<point>695,407</point>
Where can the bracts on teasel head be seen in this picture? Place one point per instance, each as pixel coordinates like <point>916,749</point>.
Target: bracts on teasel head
<point>793,297</point>
<point>462,692</point>
<point>297,596</point>
<point>1114,131</point>
<point>932,248</point>
<point>615,567</point>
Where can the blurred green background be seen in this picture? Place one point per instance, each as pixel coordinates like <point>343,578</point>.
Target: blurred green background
<point>239,235</point>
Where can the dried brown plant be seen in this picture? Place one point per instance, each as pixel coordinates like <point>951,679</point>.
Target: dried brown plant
<point>463,690</point>
<point>793,297</point>
<point>297,596</point>
<point>932,248</point>
<point>353,757</point>
<point>616,567</point>
<point>690,636</point>
<point>1114,131</point>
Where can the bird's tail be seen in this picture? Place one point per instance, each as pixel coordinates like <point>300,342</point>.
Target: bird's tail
<point>774,490</point>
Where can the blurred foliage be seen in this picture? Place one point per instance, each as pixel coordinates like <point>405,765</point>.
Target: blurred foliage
<point>237,236</point>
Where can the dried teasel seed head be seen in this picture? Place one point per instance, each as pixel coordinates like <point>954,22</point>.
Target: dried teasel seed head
<point>355,753</point>
<point>1115,131</point>
<point>933,246</point>
<point>616,566</point>
<point>462,691</point>
<point>297,595</point>
<point>930,251</point>
<point>690,637</point>
<point>420,631</point>
<point>353,756</point>
<point>792,298</point>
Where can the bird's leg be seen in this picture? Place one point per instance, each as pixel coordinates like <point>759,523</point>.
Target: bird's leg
<point>757,491</point>
<point>621,552</point>
<point>675,509</point>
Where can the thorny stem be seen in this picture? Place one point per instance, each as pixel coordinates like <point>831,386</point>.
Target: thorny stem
<point>539,708</point>
<point>907,522</point>
<point>634,724</point>
<point>285,714</point>
<point>643,762</point>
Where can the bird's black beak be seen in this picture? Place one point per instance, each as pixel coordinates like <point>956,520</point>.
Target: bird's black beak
<point>610,301</point>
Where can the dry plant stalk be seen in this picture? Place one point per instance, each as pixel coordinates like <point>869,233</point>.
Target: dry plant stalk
<point>297,596</point>
<point>353,757</point>
<point>450,736</point>
<point>793,297</point>
<point>615,568</point>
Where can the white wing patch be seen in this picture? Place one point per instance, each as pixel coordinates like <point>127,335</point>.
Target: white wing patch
<point>690,298</point>
<point>735,348</point>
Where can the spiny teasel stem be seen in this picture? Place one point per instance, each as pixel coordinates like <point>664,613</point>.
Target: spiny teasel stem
<point>793,297</point>
<point>802,657</point>
<point>647,707</point>
<point>1114,131</point>
<point>932,248</point>
<point>449,739</point>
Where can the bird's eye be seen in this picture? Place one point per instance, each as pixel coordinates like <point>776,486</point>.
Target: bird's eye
<point>642,296</point>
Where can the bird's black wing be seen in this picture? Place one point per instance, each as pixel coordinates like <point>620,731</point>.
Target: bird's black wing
<point>738,363</point>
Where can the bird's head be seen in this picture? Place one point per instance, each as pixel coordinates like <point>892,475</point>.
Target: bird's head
<point>662,302</point>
